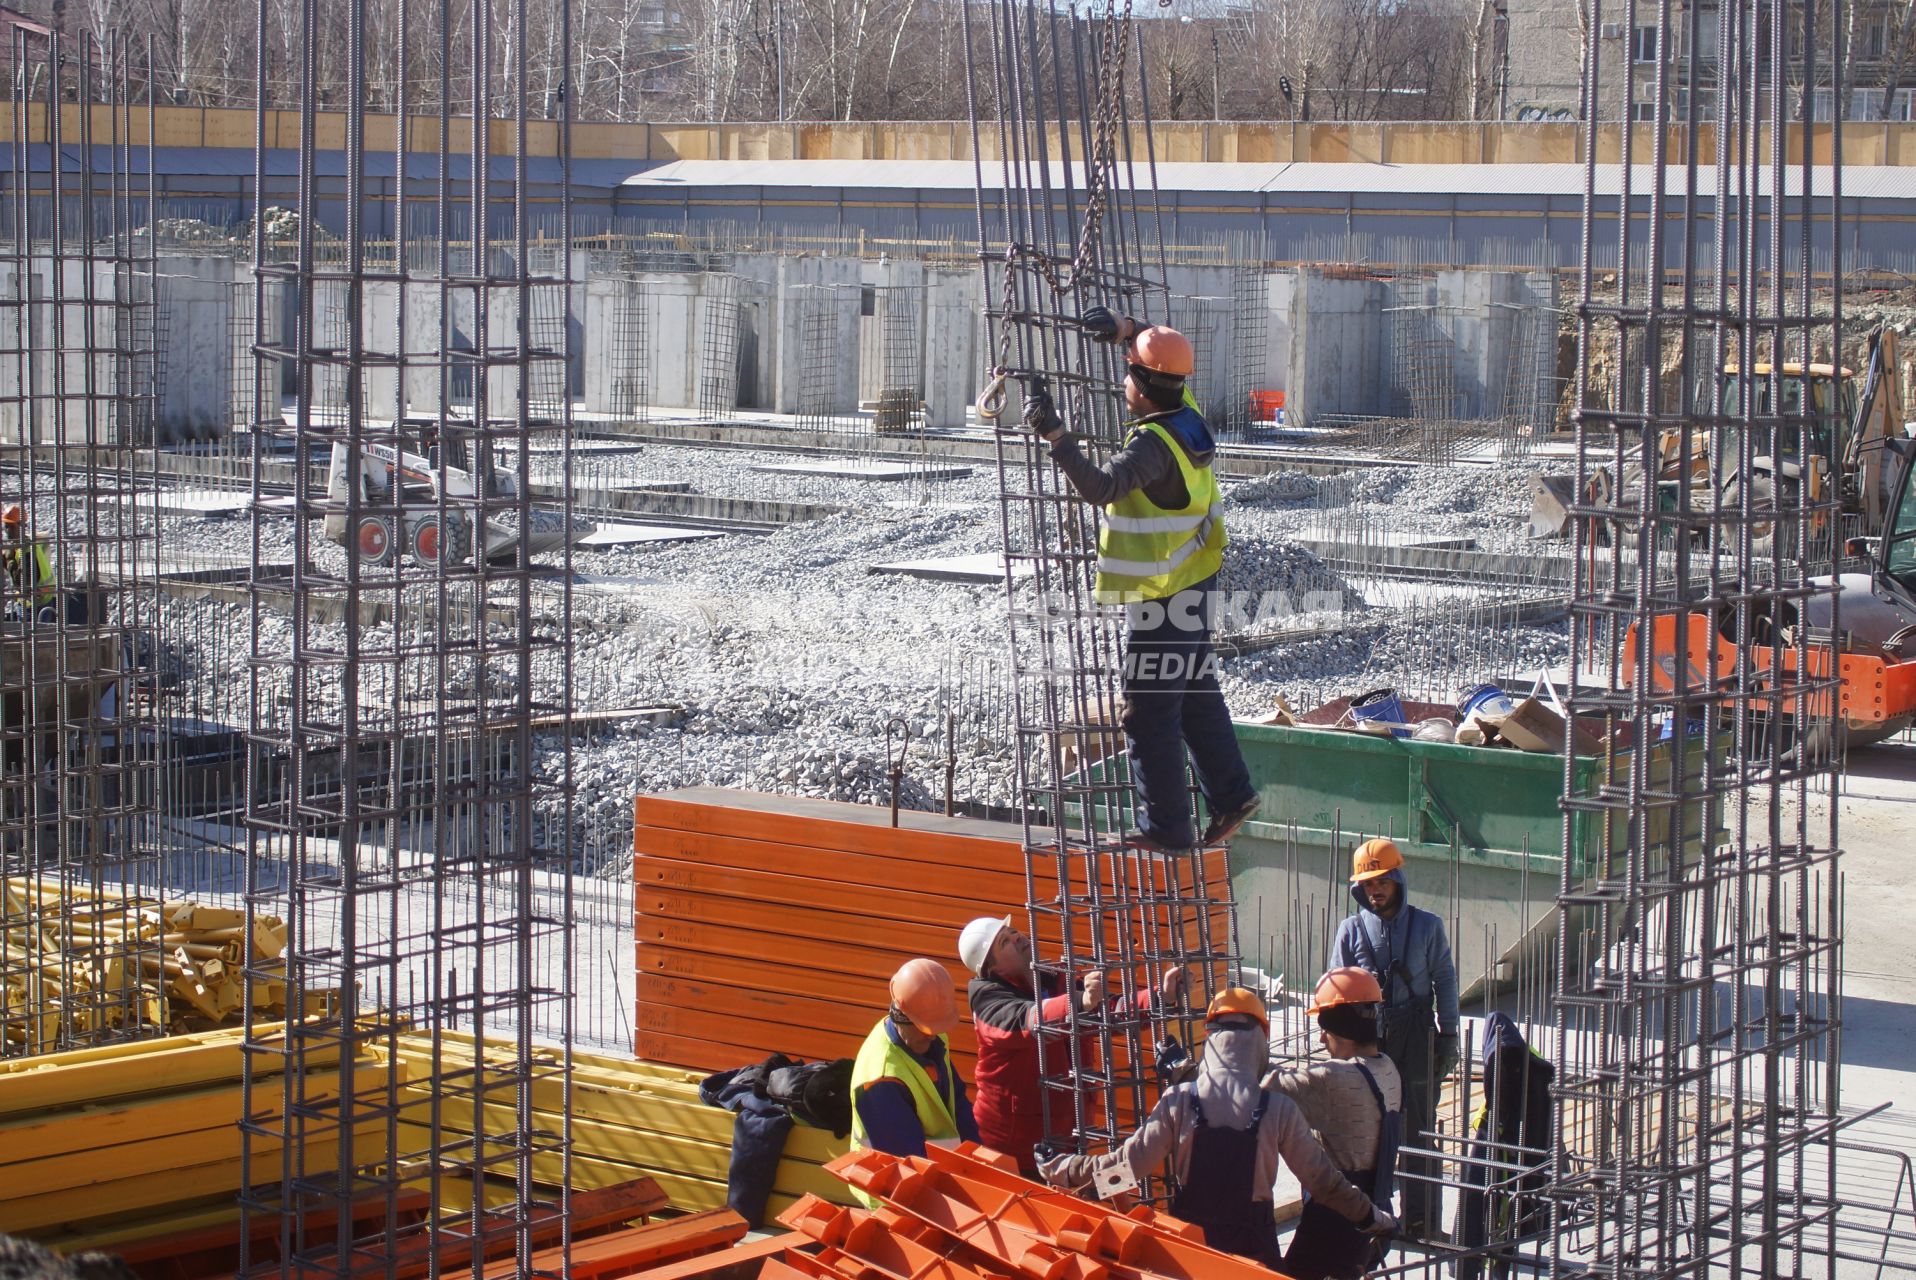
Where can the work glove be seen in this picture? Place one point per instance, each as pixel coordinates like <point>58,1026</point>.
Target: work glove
<point>1105,325</point>
<point>1446,1057</point>
<point>1057,1170</point>
<point>1041,415</point>
<point>1381,1223</point>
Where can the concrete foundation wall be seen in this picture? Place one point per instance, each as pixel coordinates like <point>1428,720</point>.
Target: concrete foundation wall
<point>1337,348</point>
<point>814,282</point>
<point>195,300</point>
<point>58,391</point>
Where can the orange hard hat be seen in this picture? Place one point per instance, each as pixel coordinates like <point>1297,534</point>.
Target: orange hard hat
<point>1374,858</point>
<point>12,515</point>
<point>922,990</point>
<point>1238,1000</point>
<point>1164,350</point>
<point>1350,985</point>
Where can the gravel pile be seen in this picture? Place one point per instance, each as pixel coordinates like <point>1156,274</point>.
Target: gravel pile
<point>786,657</point>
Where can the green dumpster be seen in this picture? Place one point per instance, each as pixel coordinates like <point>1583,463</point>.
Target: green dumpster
<point>1481,830</point>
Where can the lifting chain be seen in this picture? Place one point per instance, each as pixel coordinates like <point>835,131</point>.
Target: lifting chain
<point>1114,51</point>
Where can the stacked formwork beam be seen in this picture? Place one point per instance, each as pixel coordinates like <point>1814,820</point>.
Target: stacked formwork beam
<point>1077,226</point>
<point>76,658</point>
<point>402,816</point>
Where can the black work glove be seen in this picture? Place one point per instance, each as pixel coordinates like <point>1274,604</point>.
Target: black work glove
<point>1105,326</point>
<point>1446,1056</point>
<point>1041,416</point>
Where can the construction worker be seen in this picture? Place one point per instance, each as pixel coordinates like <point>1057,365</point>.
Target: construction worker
<point>1007,1010</point>
<point>29,569</point>
<point>1406,950</point>
<point>1159,550</point>
<point>1354,1106</point>
<point>1222,1135</point>
<point>905,1090</point>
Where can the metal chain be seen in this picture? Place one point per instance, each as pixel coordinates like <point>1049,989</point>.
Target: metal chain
<point>1114,52</point>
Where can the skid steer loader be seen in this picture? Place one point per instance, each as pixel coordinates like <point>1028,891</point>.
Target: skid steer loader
<point>413,482</point>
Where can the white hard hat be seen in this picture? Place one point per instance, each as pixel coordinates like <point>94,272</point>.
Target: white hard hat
<point>974,944</point>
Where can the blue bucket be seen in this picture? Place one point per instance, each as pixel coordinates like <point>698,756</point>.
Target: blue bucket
<point>1380,704</point>
<point>1486,698</point>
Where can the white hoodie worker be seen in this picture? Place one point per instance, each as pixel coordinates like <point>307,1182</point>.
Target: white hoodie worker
<point>1220,1136</point>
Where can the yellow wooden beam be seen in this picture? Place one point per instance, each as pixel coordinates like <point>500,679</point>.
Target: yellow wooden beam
<point>123,1071</point>
<point>35,1214</point>
<point>105,1125</point>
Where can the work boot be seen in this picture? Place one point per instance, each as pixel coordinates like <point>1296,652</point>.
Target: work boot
<point>1224,825</point>
<point>1151,844</point>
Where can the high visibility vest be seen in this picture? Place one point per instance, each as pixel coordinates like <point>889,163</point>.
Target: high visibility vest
<point>32,579</point>
<point>881,1059</point>
<point>1146,552</point>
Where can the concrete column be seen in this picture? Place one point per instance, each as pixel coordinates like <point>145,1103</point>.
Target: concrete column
<point>1337,350</point>
<point>798,282</point>
<point>953,333</point>
<point>195,356</point>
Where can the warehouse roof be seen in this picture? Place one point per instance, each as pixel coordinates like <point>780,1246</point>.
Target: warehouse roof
<point>1865,182</point>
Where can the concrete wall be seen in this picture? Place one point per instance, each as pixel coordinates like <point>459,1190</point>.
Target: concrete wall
<point>1349,354</point>
<point>195,298</point>
<point>815,282</point>
<point>1338,351</point>
<point>1543,39</point>
<point>58,337</point>
<point>1495,326</point>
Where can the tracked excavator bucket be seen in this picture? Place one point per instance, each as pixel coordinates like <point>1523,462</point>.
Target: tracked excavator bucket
<point>1550,499</point>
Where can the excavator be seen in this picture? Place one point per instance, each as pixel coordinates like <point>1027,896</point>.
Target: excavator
<point>419,478</point>
<point>1874,650</point>
<point>1845,434</point>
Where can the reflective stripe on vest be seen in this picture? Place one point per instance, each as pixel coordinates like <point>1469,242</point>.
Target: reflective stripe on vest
<point>879,1058</point>
<point>33,559</point>
<point>1146,552</point>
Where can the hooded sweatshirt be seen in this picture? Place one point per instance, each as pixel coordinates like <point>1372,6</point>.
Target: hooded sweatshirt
<point>1227,1084</point>
<point>1415,938</point>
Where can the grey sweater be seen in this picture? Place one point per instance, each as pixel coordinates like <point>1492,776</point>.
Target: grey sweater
<point>1339,1108</point>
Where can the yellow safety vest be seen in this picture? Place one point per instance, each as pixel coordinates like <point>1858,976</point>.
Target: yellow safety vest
<point>879,1058</point>
<point>1148,553</point>
<point>36,590</point>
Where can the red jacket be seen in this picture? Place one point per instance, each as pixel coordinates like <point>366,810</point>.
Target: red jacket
<point>1007,1101</point>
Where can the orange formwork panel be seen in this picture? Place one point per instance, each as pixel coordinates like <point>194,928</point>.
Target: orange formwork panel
<point>829,824</point>
<point>869,1245</point>
<point>1032,1228</point>
<point>997,878</point>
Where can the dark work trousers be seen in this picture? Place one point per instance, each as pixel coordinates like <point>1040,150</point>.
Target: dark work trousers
<point>1172,704</point>
<point>1409,1041</point>
<point>1329,1246</point>
<point>1221,1194</point>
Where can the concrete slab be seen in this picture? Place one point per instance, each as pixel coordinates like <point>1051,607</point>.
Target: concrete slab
<point>864,470</point>
<point>986,566</point>
<point>199,502</point>
<point>632,535</point>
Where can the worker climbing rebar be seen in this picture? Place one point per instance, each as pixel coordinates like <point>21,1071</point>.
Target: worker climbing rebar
<point>32,590</point>
<point>1160,547</point>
